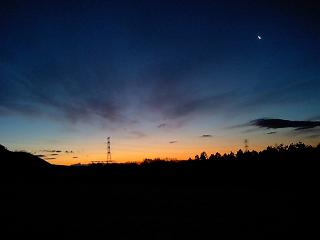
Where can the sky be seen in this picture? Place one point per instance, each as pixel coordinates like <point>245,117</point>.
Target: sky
<point>166,79</point>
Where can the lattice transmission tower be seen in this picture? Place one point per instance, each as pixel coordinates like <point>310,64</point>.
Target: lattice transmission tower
<point>108,150</point>
<point>246,145</point>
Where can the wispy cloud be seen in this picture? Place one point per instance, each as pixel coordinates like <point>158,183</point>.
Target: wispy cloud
<point>138,134</point>
<point>162,125</point>
<point>112,74</point>
<point>314,136</point>
<point>287,93</point>
<point>198,105</point>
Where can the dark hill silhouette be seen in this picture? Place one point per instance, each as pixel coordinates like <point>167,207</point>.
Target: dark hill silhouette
<point>272,166</point>
<point>20,159</point>
<point>247,194</point>
<point>16,165</point>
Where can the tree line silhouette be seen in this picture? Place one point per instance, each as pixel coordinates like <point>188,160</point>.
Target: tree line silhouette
<point>282,161</point>
<point>278,152</point>
<point>247,192</point>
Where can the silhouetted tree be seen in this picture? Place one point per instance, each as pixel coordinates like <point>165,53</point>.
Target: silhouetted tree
<point>240,154</point>
<point>231,156</point>
<point>217,156</point>
<point>225,156</point>
<point>203,156</point>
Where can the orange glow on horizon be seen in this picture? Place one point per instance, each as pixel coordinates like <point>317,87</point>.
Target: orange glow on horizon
<point>179,147</point>
<point>138,156</point>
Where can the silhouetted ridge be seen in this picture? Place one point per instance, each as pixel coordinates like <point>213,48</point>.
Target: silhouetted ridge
<point>20,164</point>
<point>272,166</point>
<point>3,149</point>
<point>240,193</point>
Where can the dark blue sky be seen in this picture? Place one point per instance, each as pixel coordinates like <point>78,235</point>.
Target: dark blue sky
<point>131,66</point>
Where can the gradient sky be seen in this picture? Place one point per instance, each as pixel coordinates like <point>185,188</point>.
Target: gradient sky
<point>162,78</point>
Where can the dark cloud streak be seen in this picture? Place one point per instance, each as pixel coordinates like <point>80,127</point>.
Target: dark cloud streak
<point>282,123</point>
<point>269,133</point>
<point>206,136</point>
<point>51,151</point>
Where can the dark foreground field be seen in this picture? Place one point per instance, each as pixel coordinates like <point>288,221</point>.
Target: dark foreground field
<point>194,199</point>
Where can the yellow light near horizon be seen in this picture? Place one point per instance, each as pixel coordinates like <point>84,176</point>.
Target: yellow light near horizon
<point>124,150</point>
<point>137,155</point>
